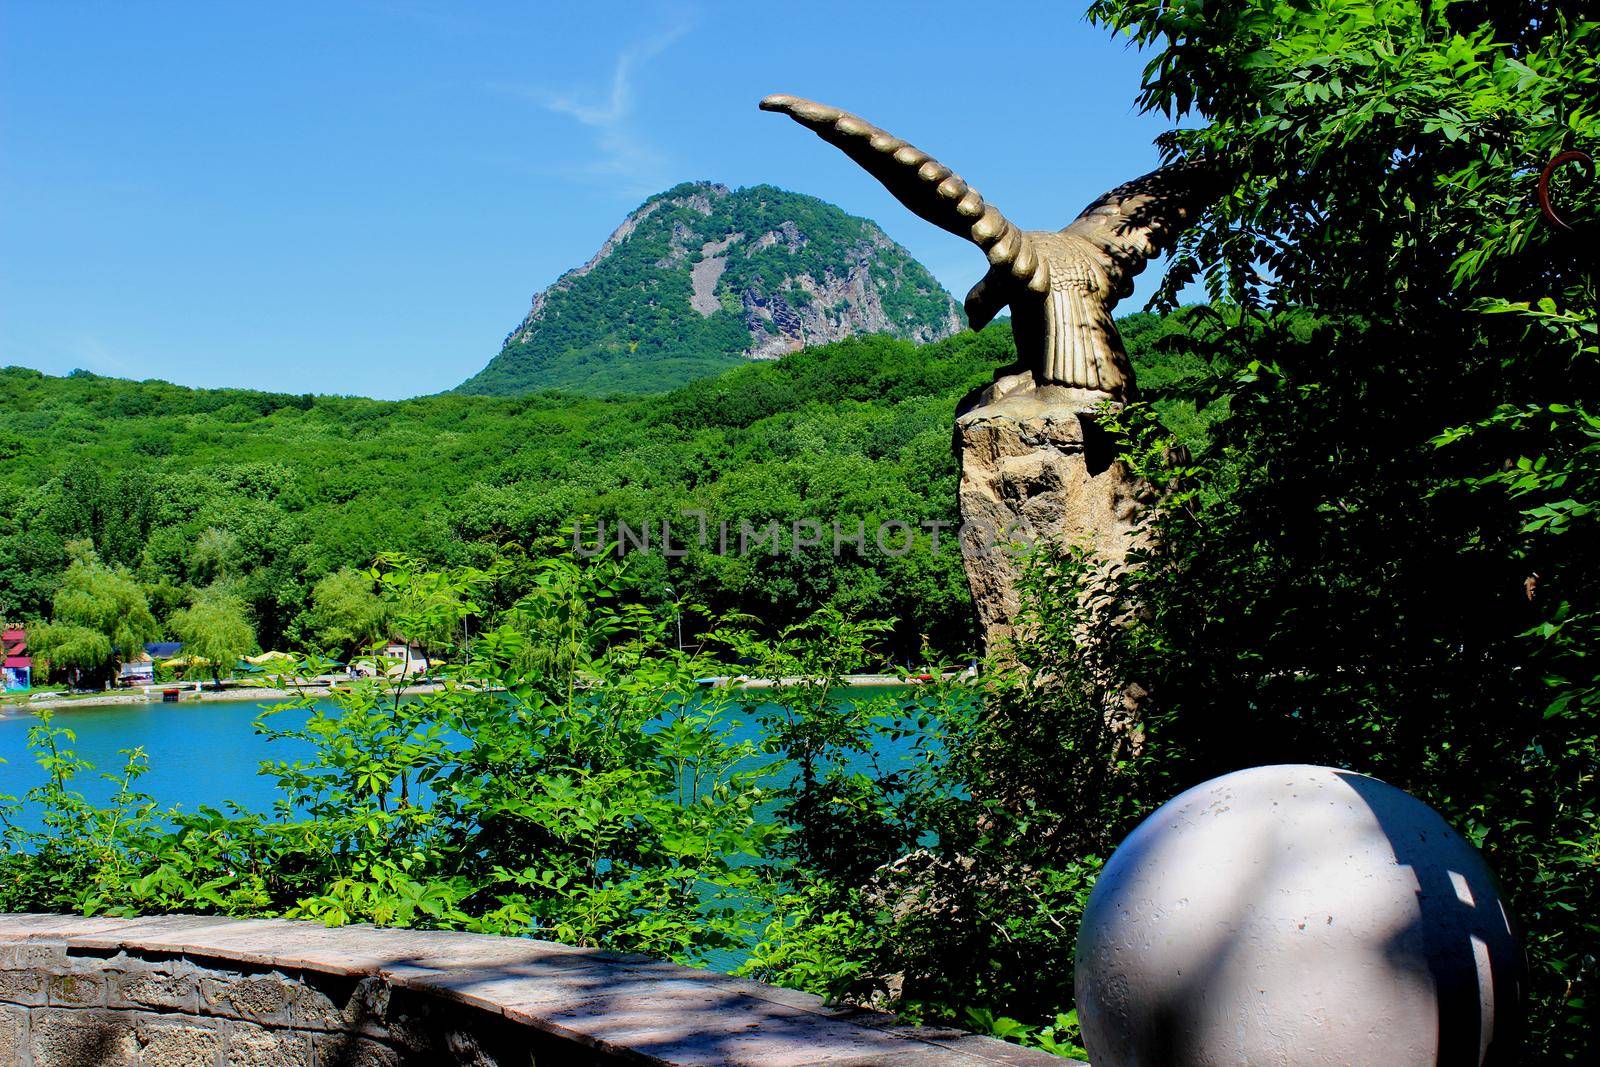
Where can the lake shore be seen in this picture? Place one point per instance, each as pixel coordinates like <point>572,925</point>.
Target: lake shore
<point>854,681</point>
<point>242,693</point>
<point>322,688</point>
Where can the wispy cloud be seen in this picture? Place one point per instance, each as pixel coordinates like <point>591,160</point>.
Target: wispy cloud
<point>617,105</point>
<point>621,152</point>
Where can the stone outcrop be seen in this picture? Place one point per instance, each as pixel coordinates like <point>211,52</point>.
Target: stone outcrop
<point>1037,467</point>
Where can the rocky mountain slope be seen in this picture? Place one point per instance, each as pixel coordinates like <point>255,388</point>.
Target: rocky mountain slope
<point>702,277</point>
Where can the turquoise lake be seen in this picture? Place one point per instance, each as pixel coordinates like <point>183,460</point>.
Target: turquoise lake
<point>200,752</point>
<point>208,753</point>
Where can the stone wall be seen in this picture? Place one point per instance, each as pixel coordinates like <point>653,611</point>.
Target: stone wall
<point>193,991</point>
<point>69,1008</point>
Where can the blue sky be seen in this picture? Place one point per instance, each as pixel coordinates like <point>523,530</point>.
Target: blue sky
<point>362,196</point>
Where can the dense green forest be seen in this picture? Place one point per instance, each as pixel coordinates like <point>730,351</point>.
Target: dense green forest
<point>624,323</point>
<point>273,493</point>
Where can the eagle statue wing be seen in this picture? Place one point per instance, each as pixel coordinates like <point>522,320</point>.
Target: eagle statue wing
<point>933,192</point>
<point>1061,285</point>
<point>1141,219</point>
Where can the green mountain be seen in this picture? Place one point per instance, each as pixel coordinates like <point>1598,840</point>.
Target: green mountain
<point>701,278</point>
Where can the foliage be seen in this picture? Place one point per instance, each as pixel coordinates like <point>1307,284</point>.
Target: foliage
<point>623,323</point>
<point>277,492</point>
<point>66,647</point>
<point>598,796</point>
<point>852,808</point>
<point>972,912</point>
<point>1060,1035</point>
<point>1384,557</point>
<point>215,557</point>
<point>214,629</point>
<point>346,613</point>
<point>77,845</point>
<point>99,612</point>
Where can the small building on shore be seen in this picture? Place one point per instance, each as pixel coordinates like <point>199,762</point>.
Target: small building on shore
<point>141,671</point>
<point>407,660</point>
<point>16,666</point>
<point>397,659</point>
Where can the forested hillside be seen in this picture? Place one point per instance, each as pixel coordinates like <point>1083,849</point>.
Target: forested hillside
<point>273,492</point>
<point>701,278</point>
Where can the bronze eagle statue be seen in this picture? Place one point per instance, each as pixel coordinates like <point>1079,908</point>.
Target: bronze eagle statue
<point>1061,285</point>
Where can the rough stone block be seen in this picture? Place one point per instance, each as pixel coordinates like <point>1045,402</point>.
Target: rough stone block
<point>348,1050</point>
<point>153,988</point>
<point>257,1046</point>
<point>408,1021</point>
<point>68,1037</point>
<point>177,1043</point>
<point>310,1008</point>
<point>259,999</point>
<point>13,1033</point>
<point>367,1011</point>
<point>22,987</point>
<point>45,955</point>
<point>78,989</point>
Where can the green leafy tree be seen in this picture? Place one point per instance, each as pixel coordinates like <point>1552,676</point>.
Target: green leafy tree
<point>69,651</point>
<point>215,630</point>
<point>346,612</point>
<point>215,558</point>
<point>99,613</point>
<point>431,608</point>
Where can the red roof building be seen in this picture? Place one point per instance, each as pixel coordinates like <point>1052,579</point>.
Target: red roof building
<point>16,666</point>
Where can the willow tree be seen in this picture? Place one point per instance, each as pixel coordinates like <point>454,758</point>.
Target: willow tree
<point>99,614</point>
<point>215,630</point>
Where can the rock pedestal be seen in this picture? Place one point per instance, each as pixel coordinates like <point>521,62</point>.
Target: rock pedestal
<point>1036,467</point>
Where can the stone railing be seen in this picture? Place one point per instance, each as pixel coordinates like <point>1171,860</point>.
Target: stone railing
<point>186,991</point>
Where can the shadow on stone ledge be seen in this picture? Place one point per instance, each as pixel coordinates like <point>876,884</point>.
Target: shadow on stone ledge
<point>183,990</point>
